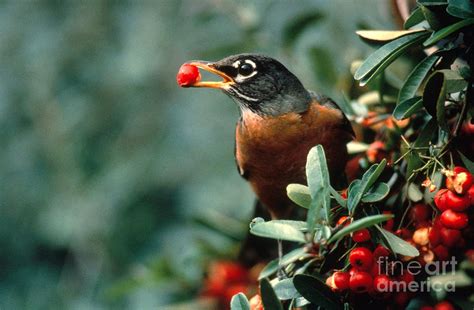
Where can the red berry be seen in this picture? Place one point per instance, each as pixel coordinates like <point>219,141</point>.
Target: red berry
<point>441,252</point>
<point>444,305</point>
<point>343,221</point>
<point>388,225</point>
<point>455,220</point>
<point>446,199</point>
<point>341,280</point>
<point>406,277</point>
<point>440,199</point>
<point>380,251</point>
<point>382,283</point>
<point>361,258</point>
<point>330,282</point>
<point>434,235</point>
<point>449,237</point>
<point>360,282</point>
<point>188,75</point>
<point>420,213</point>
<point>401,298</point>
<point>404,233</point>
<point>361,235</point>
<point>470,194</point>
<point>459,180</point>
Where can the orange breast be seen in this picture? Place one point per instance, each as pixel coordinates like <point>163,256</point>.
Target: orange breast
<point>272,151</point>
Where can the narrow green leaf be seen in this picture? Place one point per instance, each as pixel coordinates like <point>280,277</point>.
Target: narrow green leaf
<point>353,193</point>
<point>299,225</point>
<point>317,175</point>
<point>434,96</point>
<point>432,2</point>
<point>291,257</point>
<point>446,31</point>
<point>415,78</point>
<point>384,35</point>
<point>415,18</point>
<point>316,292</point>
<point>376,58</point>
<point>277,231</point>
<point>359,224</point>
<point>269,298</point>
<point>407,108</point>
<point>432,16</point>
<point>460,8</point>
<point>376,193</point>
<point>284,289</point>
<point>239,302</point>
<point>368,179</point>
<point>397,244</point>
<point>467,163</point>
<point>296,27</point>
<point>341,201</point>
<point>299,194</point>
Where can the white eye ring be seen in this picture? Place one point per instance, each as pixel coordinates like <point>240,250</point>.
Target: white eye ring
<point>240,78</point>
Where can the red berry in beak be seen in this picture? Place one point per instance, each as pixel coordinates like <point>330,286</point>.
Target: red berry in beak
<point>454,220</point>
<point>188,75</point>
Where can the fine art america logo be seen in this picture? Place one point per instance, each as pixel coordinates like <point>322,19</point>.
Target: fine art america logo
<point>399,274</point>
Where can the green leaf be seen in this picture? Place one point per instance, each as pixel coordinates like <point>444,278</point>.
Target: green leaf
<point>352,194</point>
<point>277,230</point>
<point>407,108</point>
<point>467,163</point>
<point>454,81</point>
<point>269,298</point>
<point>359,224</point>
<point>398,245</point>
<point>293,30</point>
<point>460,8</point>
<point>316,292</point>
<point>388,50</point>
<point>384,35</point>
<point>415,78</point>
<point>376,193</point>
<point>446,31</point>
<point>291,257</point>
<point>415,18</point>
<point>299,194</point>
<point>299,225</point>
<point>317,175</point>
<point>239,302</point>
<point>414,193</point>
<point>432,16</point>
<point>368,179</point>
<point>285,289</point>
<point>434,96</point>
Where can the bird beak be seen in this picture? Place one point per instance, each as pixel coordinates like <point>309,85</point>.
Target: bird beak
<point>210,67</point>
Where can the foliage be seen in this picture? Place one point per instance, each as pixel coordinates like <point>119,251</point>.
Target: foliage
<point>420,122</point>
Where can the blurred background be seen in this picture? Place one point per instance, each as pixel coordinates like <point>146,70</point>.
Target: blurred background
<point>117,187</point>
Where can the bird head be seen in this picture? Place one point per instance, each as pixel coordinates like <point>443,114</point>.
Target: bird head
<point>257,83</point>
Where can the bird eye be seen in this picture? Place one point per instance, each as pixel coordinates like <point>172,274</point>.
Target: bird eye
<point>245,69</point>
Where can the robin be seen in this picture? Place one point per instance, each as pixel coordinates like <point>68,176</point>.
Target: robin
<point>280,122</point>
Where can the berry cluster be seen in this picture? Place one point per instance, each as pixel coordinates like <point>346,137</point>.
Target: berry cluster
<point>225,279</point>
<point>449,229</point>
